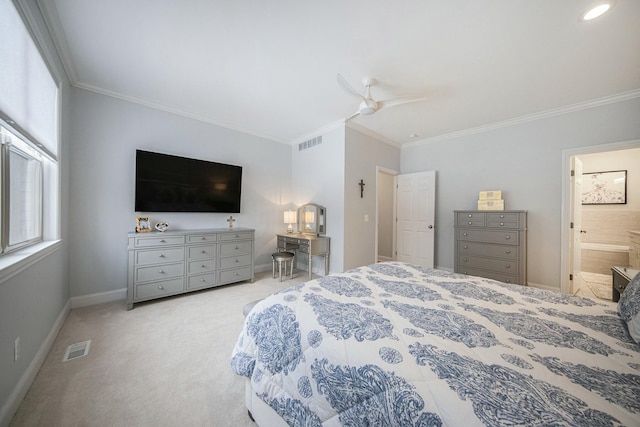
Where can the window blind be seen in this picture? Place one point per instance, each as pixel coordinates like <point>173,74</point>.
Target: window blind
<point>28,92</point>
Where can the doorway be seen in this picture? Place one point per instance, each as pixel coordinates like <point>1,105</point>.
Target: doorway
<point>571,279</point>
<point>385,214</point>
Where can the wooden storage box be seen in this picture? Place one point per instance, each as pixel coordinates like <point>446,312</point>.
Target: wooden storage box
<point>490,205</point>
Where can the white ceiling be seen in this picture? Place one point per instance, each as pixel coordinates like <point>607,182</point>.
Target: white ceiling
<point>269,68</point>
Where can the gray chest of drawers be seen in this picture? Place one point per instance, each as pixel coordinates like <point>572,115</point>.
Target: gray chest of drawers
<point>492,244</point>
<point>175,262</point>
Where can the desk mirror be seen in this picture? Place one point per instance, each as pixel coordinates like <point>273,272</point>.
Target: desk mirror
<point>312,219</point>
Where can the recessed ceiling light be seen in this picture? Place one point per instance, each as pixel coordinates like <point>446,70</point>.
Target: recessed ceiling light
<point>596,11</point>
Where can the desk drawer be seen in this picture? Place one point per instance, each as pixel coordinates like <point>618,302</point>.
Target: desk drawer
<point>486,249</point>
<point>159,256</point>
<point>235,248</point>
<point>201,252</point>
<point>235,275</point>
<point>470,219</point>
<point>235,236</point>
<point>506,278</point>
<point>159,289</point>
<point>486,236</point>
<point>202,238</point>
<point>143,242</point>
<point>503,220</point>
<point>201,281</point>
<point>201,266</point>
<point>497,265</point>
<point>157,272</point>
<point>235,261</point>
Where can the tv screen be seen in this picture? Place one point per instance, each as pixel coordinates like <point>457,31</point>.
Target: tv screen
<point>166,183</point>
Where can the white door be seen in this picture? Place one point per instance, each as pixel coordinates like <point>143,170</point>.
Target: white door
<point>415,214</point>
<point>576,228</point>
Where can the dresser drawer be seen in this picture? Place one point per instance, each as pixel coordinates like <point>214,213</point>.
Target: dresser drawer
<point>157,272</point>
<point>487,249</point>
<point>235,275</point>
<point>144,242</point>
<point>497,265</point>
<point>235,236</point>
<point>202,238</point>
<point>470,219</point>
<point>201,266</point>
<point>201,252</point>
<point>503,220</point>
<point>487,236</point>
<point>159,289</point>
<point>159,256</point>
<point>201,281</point>
<point>235,261</point>
<point>235,248</point>
<point>506,278</point>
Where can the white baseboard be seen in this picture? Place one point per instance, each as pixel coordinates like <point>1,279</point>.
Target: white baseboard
<point>99,298</point>
<point>10,407</point>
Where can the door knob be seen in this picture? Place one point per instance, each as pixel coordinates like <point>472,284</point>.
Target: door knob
<point>431,226</point>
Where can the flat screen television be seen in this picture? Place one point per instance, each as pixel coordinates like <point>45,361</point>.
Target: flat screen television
<point>166,183</point>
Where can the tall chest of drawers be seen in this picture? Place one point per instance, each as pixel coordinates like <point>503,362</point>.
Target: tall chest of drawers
<point>175,262</point>
<point>491,244</point>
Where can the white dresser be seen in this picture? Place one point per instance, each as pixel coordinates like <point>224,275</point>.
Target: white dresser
<point>492,244</point>
<point>175,262</point>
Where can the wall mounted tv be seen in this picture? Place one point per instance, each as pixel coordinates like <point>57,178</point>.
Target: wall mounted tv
<point>166,183</point>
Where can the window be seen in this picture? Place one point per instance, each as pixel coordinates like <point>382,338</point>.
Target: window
<point>29,134</point>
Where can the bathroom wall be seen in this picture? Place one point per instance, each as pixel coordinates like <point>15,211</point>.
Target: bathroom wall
<point>610,224</point>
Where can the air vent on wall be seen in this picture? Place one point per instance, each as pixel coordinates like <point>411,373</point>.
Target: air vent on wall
<point>77,350</point>
<point>310,143</point>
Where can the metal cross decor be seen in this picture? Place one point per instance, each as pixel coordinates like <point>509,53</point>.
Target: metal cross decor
<point>361,184</point>
<point>231,220</point>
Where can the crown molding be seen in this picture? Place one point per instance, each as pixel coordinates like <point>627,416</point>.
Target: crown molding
<point>598,102</point>
<point>372,134</point>
<point>52,21</point>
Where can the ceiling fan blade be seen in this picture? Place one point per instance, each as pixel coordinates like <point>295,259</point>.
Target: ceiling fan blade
<point>347,86</point>
<point>357,113</point>
<point>398,101</point>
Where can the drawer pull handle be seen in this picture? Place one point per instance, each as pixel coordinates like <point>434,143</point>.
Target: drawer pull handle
<point>507,251</point>
<point>237,248</point>
<point>470,222</point>
<point>507,237</point>
<point>161,256</point>
<point>501,216</point>
<point>237,260</point>
<point>203,238</point>
<point>161,287</point>
<point>161,272</point>
<point>501,224</point>
<point>465,260</point>
<point>237,236</point>
<point>203,251</point>
<point>235,274</point>
<point>464,234</point>
<point>162,241</point>
<point>203,266</point>
<point>202,279</point>
<point>469,215</point>
<point>466,247</point>
<point>508,280</point>
<point>507,266</point>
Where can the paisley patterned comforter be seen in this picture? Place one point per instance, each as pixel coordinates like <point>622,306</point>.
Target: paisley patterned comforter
<point>393,344</point>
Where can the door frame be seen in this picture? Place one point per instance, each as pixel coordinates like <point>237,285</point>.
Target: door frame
<point>565,230</point>
<point>394,173</point>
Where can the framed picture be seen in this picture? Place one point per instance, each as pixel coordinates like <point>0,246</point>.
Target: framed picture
<point>143,224</point>
<point>604,188</point>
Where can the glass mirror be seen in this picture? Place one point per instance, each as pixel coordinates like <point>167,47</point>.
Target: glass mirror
<point>312,219</point>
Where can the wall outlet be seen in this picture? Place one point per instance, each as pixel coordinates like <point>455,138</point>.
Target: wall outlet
<point>16,349</point>
<point>366,218</point>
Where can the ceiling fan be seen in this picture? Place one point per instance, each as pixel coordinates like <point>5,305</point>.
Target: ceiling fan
<point>368,105</point>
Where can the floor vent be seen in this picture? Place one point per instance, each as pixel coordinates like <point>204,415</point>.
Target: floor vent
<point>310,143</point>
<point>77,350</point>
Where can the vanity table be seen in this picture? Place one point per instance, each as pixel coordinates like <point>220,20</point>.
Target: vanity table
<point>308,244</point>
<point>309,239</point>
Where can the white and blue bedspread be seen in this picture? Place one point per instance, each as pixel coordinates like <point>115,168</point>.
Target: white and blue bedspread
<point>397,345</point>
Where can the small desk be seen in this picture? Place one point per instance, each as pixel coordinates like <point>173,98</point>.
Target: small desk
<point>309,244</point>
<point>621,278</point>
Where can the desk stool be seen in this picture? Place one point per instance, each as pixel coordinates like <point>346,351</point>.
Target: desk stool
<point>280,258</point>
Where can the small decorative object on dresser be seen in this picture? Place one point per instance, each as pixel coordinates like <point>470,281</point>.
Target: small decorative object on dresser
<point>162,226</point>
<point>175,262</point>
<point>143,224</point>
<point>491,245</point>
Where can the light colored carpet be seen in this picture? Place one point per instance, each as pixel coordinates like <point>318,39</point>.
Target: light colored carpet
<point>598,284</point>
<point>164,363</point>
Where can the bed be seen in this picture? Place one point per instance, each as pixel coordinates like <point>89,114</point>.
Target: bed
<point>396,344</point>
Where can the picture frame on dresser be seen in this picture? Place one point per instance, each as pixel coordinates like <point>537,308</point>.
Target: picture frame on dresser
<point>143,224</point>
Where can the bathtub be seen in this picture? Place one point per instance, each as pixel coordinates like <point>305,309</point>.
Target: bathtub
<point>600,257</point>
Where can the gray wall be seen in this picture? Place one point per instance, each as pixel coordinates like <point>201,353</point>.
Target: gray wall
<point>105,134</point>
<point>525,162</point>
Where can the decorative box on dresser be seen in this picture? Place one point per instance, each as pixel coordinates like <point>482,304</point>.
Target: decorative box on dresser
<point>492,244</point>
<point>176,262</point>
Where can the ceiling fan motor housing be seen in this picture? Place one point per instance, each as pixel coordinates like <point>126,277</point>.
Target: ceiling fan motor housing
<point>368,106</point>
